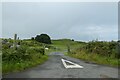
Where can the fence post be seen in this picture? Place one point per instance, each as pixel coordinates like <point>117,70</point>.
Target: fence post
<point>68,46</point>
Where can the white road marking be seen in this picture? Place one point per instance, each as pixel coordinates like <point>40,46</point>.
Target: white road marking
<point>74,65</point>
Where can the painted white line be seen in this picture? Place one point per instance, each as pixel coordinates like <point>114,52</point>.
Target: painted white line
<point>74,65</point>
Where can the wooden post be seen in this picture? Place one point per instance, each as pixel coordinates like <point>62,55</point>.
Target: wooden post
<point>68,46</point>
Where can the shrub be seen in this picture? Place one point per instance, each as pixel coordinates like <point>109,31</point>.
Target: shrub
<point>108,49</point>
<point>35,50</point>
<point>6,46</point>
<point>14,55</point>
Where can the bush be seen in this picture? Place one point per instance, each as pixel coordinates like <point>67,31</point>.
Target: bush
<point>14,55</point>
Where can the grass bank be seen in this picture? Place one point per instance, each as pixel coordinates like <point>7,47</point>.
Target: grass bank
<point>96,58</point>
<point>100,52</point>
<point>20,66</point>
<point>27,55</point>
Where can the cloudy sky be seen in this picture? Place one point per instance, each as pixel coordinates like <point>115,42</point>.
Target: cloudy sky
<point>75,20</point>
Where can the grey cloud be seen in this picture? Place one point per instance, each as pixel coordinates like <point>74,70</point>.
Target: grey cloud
<point>80,21</point>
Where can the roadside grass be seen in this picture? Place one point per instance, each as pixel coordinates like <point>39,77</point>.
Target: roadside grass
<point>90,57</point>
<point>95,58</point>
<point>20,66</point>
<point>29,54</point>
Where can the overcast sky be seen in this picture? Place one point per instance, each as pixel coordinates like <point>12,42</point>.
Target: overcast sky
<point>79,21</point>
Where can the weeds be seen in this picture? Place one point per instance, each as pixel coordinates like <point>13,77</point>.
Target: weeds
<point>98,52</point>
<point>27,55</point>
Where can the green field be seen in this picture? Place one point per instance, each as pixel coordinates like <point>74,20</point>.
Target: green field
<point>62,44</point>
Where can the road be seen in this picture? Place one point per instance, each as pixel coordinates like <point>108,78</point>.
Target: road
<point>54,68</point>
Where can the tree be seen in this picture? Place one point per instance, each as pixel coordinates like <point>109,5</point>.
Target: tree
<point>43,38</point>
<point>72,40</point>
<point>32,38</point>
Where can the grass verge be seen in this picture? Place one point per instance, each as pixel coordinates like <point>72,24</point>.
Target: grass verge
<point>95,58</point>
<point>20,66</point>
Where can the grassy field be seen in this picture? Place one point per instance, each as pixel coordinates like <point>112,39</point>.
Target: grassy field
<point>62,44</point>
